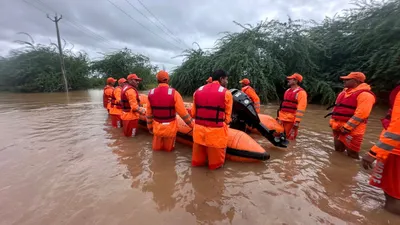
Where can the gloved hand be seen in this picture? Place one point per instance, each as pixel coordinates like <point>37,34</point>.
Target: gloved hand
<point>279,121</point>
<point>296,124</point>
<point>343,130</point>
<point>367,161</point>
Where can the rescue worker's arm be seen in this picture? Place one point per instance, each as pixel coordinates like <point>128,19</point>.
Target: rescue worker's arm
<point>228,107</point>
<point>117,94</point>
<point>365,102</point>
<point>301,106</point>
<point>181,110</point>
<point>131,95</point>
<point>193,110</point>
<point>149,116</point>
<point>390,139</point>
<point>254,97</point>
<point>109,92</point>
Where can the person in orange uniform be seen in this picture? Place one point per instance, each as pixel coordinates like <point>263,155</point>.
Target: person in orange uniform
<point>107,93</point>
<point>386,174</point>
<point>350,114</point>
<point>131,105</point>
<point>212,110</point>
<point>164,103</point>
<point>293,106</point>
<point>116,107</point>
<point>249,91</point>
<point>209,80</point>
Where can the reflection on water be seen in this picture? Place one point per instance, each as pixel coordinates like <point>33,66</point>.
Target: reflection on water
<point>62,163</point>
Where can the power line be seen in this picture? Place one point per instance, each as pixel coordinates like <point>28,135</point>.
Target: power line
<point>143,25</point>
<point>78,26</point>
<point>174,38</point>
<point>148,10</point>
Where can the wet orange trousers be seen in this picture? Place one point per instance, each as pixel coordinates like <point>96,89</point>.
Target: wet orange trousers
<point>386,175</point>
<point>215,156</point>
<point>163,143</point>
<point>130,127</point>
<point>352,142</point>
<point>116,121</point>
<point>290,131</point>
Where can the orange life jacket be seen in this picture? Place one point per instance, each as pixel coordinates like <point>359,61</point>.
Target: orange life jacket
<point>106,99</point>
<point>125,101</point>
<point>210,105</point>
<point>345,107</point>
<point>386,120</point>
<point>289,103</point>
<point>113,99</point>
<point>162,104</point>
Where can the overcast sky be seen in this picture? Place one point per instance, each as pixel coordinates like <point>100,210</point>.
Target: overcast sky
<point>99,26</point>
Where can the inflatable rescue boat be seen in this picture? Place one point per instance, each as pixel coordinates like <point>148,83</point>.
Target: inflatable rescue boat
<point>241,147</point>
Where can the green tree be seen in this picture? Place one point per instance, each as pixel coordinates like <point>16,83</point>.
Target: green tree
<point>124,62</point>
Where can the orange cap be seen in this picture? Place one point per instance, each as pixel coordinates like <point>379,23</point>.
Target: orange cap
<point>121,81</point>
<point>110,80</point>
<point>354,75</point>
<point>162,76</point>
<point>245,81</point>
<point>133,77</point>
<point>209,80</point>
<point>296,76</point>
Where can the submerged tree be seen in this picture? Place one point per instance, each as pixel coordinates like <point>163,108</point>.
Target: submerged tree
<point>123,62</point>
<point>365,38</point>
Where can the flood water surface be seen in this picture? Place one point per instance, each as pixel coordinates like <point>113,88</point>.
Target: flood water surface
<point>61,162</point>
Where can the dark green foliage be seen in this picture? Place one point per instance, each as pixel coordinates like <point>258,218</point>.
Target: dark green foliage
<point>124,62</point>
<point>366,38</point>
<point>36,68</point>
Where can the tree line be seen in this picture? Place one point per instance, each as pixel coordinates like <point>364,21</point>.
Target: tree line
<point>364,38</point>
<point>36,68</point>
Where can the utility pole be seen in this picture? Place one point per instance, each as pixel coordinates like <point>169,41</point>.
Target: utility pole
<point>55,20</point>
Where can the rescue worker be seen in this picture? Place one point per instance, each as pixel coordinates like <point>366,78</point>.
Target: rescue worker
<point>212,109</point>
<point>386,151</point>
<point>209,80</point>
<point>249,91</point>
<point>116,107</point>
<point>350,114</point>
<point>131,105</point>
<point>164,103</point>
<point>293,106</point>
<point>107,93</point>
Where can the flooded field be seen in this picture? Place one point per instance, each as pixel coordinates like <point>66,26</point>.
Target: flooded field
<point>61,162</point>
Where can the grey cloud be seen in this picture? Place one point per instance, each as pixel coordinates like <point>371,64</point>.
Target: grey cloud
<point>191,21</point>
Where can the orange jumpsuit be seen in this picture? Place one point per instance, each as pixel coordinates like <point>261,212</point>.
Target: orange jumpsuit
<point>165,133</point>
<point>386,174</point>
<point>116,109</point>
<point>249,91</point>
<point>108,91</point>
<point>130,119</point>
<point>288,119</point>
<point>211,142</point>
<point>355,125</point>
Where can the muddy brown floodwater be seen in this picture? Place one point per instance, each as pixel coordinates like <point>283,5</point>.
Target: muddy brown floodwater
<point>63,164</point>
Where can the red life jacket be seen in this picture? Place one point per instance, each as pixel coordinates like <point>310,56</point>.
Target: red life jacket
<point>113,99</point>
<point>345,107</point>
<point>289,103</point>
<point>386,120</point>
<point>106,99</point>
<point>210,105</point>
<point>125,101</point>
<point>162,104</point>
